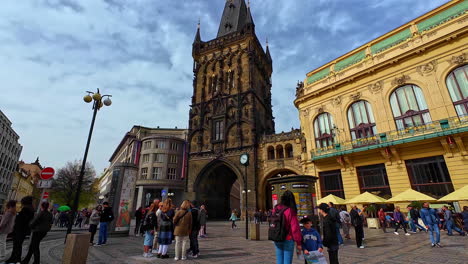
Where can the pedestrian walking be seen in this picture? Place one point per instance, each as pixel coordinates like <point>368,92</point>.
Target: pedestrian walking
<point>94,222</point>
<point>431,221</point>
<point>382,219</point>
<point>149,225</point>
<point>330,238</point>
<point>21,228</point>
<point>399,219</point>
<point>233,219</point>
<point>448,216</point>
<point>311,240</point>
<point>345,222</point>
<point>414,219</point>
<point>335,214</point>
<point>107,216</point>
<point>40,225</point>
<point>139,216</point>
<point>6,226</point>
<point>202,216</point>
<point>194,248</point>
<point>182,230</point>
<point>165,232</point>
<point>357,222</point>
<point>284,229</point>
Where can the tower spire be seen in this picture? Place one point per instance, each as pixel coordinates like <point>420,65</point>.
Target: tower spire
<point>236,16</point>
<point>197,35</point>
<point>267,52</point>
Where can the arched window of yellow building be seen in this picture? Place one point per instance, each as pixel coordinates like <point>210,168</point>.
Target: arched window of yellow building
<point>361,120</point>
<point>323,126</point>
<point>457,84</point>
<point>409,107</point>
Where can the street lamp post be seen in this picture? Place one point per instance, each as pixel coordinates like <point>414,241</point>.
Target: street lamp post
<point>98,102</point>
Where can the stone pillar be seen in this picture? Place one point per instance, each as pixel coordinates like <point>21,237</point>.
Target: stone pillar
<point>139,200</point>
<point>398,177</point>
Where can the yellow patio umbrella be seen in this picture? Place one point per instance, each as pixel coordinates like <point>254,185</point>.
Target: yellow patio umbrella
<point>458,195</point>
<point>366,198</point>
<point>331,198</point>
<point>411,195</point>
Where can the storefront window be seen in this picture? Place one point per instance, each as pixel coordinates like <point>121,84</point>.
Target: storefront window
<point>373,179</point>
<point>331,183</point>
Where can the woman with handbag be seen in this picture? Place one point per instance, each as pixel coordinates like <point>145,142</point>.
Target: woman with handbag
<point>165,233</point>
<point>183,227</point>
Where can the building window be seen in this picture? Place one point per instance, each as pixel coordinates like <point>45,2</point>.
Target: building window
<point>218,130</point>
<point>172,158</point>
<point>171,173</point>
<point>279,152</point>
<point>174,146</point>
<point>144,173</point>
<point>323,126</point>
<point>157,172</point>
<point>160,144</point>
<point>374,179</point>
<point>361,120</point>
<point>146,158</point>
<point>271,152</point>
<point>289,150</point>
<point>409,107</point>
<point>430,176</point>
<point>331,183</point>
<point>147,145</point>
<point>158,157</point>
<point>457,84</point>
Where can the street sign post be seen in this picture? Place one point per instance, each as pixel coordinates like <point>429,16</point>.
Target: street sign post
<point>44,184</point>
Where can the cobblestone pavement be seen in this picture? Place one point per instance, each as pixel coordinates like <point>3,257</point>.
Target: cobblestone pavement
<point>227,246</point>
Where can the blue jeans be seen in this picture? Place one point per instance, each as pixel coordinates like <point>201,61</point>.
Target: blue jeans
<point>340,239</point>
<point>451,225</point>
<point>414,224</point>
<point>103,233</point>
<point>434,228</point>
<point>284,251</point>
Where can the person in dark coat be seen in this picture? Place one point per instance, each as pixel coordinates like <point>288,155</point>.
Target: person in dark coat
<point>357,222</point>
<point>107,216</point>
<point>139,216</point>
<point>40,225</point>
<point>21,228</point>
<point>330,238</point>
<point>195,230</point>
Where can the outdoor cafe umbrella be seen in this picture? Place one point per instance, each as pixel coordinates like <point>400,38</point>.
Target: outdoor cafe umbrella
<point>458,195</point>
<point>366,198</point>
<point>411,195</point>
<point>64,208</point>
<point>331,198</point>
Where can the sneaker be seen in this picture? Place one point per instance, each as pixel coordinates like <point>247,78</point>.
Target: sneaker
<point>184,258</point>
<point>396,233</point>
<point>145,254</point>
<point>149,255</point>
<point>432,245</point>
<point>154,251</point>
<point>361,247</point>
<point>176,258</point>
<point>195,256</point>
<point>438,245</point>
<point>413,232</point>
<point>407,234</point>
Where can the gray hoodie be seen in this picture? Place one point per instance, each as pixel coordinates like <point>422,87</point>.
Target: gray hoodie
<point>7,223</point>
<point>94,218</point>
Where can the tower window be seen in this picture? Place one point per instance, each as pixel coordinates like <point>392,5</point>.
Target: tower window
<point>218,130</point>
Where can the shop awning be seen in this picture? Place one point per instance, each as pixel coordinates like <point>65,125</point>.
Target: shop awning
<point>411,195</point>
<point>366,198</point>
<point>331,198</point>
<point>458,195</point>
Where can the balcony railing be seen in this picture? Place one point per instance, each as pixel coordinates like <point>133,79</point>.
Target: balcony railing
<point>437,128</point>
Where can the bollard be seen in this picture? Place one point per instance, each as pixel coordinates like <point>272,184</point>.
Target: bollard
<point>254,231</point>
<point>76,249</point>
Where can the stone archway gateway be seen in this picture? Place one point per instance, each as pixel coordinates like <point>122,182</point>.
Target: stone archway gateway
<point>219,188</point>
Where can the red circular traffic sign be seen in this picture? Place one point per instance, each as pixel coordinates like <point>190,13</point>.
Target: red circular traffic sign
<point>47,173</point>
<point>46,195</point>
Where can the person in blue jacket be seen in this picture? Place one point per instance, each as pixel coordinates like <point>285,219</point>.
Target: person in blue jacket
<point>431,221</point>
<point>311,240</point>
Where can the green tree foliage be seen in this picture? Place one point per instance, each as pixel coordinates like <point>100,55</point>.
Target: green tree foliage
<point>65,184</point>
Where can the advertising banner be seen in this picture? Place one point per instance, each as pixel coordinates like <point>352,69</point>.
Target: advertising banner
<point>126,196</point>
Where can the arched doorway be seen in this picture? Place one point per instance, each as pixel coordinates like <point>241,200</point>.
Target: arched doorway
<point>218,187</point>
<point>279,173</point>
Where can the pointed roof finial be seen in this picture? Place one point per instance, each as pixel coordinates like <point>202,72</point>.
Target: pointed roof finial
<point>248,3</point>
<point>197,35</point>
<point>198,25</point>
<point>267,41</point>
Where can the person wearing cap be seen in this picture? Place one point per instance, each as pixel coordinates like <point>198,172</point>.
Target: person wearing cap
<point>357,222</point>
<point>330,238</point>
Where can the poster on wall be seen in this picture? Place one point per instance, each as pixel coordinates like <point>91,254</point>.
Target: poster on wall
<point>274,199</point>
<point>126,195</point>
<point>304,204</point>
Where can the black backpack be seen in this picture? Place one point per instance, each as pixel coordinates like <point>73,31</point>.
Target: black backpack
<point>276,230</point>
<point>150,222</point>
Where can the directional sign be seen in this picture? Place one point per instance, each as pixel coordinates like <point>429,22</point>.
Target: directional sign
<point>47,173</point>
<point>44,184</point>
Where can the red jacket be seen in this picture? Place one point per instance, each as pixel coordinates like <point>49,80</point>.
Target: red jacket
<point>292,224</point>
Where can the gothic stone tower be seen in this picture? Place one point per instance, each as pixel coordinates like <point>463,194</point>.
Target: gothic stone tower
<point>230,111</point>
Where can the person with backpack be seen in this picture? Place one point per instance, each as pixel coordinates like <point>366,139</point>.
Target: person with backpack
<point>182,230</point>
<point>6,226</point>
<point>357,222</point>
<point>284,229</point>
<point>107,216</point>
<point>330,239</point>
<point>345,222</point>
<point>336,215</point>
<point>149,225</point>
<point>40,225</point>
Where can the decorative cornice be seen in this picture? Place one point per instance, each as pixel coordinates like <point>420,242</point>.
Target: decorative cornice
<point>458,60</point>
<point>400,80</point>
<point>356,96</point>
<point>427,68</point>
<point>376,87</point>
<point>336,100</point>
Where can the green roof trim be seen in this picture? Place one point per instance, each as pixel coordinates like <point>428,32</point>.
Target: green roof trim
<point>391,41</point>
<point>447,15</point>
<point>318,75</point>
<point>350,60</point>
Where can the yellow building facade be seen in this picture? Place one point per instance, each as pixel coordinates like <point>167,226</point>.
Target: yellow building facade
<point>393,113</point>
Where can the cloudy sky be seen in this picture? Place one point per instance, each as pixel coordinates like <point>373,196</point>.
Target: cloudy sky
<point>52,51</point>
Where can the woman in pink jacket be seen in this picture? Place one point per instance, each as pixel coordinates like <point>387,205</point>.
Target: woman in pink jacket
<point>285,249</point>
